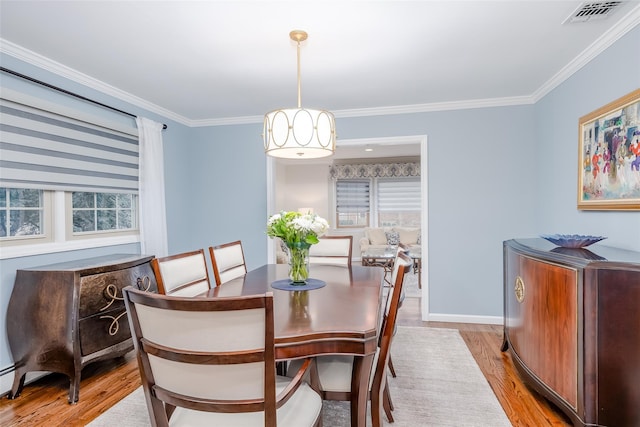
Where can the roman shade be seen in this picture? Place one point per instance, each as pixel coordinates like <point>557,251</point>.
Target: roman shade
<point>352,196</point>
<point>399,195</point>
<point>51,147</point>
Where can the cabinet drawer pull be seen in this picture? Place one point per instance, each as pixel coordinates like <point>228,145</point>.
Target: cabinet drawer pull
<point>144,283</point>
<point>115,325</point>
<point>111,291</point>
<point>519,289</point>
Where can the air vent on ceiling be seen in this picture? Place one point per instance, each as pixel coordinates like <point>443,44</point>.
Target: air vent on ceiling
<point>593,10</point>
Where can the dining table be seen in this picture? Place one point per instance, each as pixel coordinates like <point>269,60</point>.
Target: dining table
<point>342,317</point>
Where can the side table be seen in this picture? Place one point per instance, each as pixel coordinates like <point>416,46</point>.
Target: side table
<point>380,257</point>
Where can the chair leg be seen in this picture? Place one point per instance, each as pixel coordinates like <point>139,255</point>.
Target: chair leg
<point>387,398</point>
<point>376,419</point>
<point>281,368</point>
<point>387,404</point>
<point>391,368</point>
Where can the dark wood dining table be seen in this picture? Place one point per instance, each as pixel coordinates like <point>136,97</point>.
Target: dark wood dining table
<point>343,317</point>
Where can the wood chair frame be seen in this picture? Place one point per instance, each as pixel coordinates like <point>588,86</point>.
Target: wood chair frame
<point>218,269</point>
<point>379,391</point>
<point>163,286</point>
<point>162,402</point>
<point>331,257</point>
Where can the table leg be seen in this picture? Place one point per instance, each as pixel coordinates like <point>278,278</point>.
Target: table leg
<point>360,389</point>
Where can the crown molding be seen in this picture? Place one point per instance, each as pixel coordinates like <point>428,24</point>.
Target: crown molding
<point>243,120</point>
<point>626,24</point>
<point>385,111</point>
<point>436,106</point>
<point>62,70</point>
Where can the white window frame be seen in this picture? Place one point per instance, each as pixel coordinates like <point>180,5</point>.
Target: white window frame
<point>71,235</point>
<point>335,203</point>
<point>56,211</point>
<point>56,232</point>
<point>46,229</point>
<point>373,199</point>
<point>378,181</point>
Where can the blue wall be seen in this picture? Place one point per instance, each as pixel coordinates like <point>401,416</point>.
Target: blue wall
<point>478,195</point>
<point>612,74</point>
<point>493,174</point>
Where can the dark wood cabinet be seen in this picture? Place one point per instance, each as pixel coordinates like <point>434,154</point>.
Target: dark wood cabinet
<point>572,327</point>
<point>64,316</point>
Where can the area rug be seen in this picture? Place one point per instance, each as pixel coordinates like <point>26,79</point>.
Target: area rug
<point>410,285</point>
<point>438,385</point>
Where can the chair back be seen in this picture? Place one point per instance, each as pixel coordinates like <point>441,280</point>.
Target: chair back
<point>204,354</point>
<point>184,274</point>
<point>401,265</point>
<point>332,250</point>
<point>228,261</point>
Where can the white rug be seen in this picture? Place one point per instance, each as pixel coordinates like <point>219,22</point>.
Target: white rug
<point>410,285</point>
<point>438,385</point>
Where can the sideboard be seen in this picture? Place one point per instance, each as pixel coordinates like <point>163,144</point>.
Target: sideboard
<point>572,327</point>
<point>64,316</point>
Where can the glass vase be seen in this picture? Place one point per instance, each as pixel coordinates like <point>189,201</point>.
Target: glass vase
<point>298,262</point>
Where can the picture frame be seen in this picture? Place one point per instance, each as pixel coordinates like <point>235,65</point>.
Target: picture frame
<point>609,156</point>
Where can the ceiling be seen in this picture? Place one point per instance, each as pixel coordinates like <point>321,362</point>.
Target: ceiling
<point>218,62</point>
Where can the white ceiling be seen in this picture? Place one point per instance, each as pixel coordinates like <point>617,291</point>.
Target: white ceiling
<point>216,62</point>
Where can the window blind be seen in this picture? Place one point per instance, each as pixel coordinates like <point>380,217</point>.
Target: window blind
<point>352,196</point>
<point>399,195</point>
<point>42,149</point>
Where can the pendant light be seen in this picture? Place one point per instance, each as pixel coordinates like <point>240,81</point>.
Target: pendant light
<point>299,133</point>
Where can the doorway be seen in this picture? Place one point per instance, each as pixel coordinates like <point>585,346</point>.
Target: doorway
<point>394,144</point>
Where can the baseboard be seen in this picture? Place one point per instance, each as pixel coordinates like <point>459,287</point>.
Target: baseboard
<point>6,381</point>
<point>463,318</point>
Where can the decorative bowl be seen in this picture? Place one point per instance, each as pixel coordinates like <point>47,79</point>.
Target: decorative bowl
<point>571,240</point>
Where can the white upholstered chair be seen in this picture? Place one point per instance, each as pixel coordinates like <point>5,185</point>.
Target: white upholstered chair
<point>332,250</point>
<point>211,362</point>
<point>227,261</point>
<point>184,274</point>
<point>334,372</point>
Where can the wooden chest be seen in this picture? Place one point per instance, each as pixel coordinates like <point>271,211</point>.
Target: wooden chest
<point>572,326</point>
<point>64,316</point>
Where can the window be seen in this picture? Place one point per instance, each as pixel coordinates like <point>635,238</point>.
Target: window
<point>386,202</point>
<point>352,203</point>
<point>95,212</point>
<point>21,213</point>
<point>68,178</point>
<point>399,202</point>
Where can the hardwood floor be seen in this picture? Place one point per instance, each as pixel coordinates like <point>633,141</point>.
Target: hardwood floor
<point>44,402</point>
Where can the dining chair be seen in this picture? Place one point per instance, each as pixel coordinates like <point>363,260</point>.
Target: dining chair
<point>335,371</point>
<point>184,274</point>
<point>332,250</point>
<point>401,248</point>
<point>228,261</point>
<point>211,362</point>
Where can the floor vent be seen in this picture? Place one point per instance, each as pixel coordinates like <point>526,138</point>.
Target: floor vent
<point>593,10</point>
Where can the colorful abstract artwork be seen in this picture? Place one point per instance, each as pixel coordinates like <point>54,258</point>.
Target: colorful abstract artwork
<point>609,156</point>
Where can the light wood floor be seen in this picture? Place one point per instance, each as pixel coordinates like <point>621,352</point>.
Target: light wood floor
<point>44,402</point>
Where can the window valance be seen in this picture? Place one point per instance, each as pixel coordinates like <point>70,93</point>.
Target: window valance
<point>375,170</point>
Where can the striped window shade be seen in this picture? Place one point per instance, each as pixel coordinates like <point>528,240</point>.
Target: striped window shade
<point>352,196</point>
<point>399,195</point>
<point>51,147</point>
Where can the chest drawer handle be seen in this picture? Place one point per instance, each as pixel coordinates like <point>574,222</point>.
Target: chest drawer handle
<point>111,291</point>
<point>115,325</point>
<point>144,283</point>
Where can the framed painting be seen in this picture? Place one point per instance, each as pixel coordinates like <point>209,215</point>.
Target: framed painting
<point>609,156</point>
